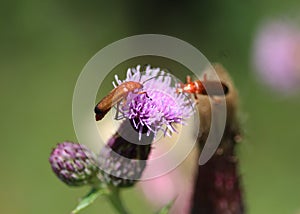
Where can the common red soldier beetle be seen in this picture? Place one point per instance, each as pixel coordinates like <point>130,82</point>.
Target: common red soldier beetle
<point>115,96</point>
<point>203,87</point>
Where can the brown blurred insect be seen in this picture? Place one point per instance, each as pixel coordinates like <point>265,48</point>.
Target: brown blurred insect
<point>203,87</point>
<point>115,96</point>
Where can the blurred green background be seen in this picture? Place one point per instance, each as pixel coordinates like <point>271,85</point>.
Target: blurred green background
<point>44,46</point>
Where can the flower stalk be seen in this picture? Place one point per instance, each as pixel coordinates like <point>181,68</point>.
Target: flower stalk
<point>218,186</point>
<point>115,199</point>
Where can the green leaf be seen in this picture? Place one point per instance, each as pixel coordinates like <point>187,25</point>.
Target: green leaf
<point>88,199</point>
<point>166,208</point>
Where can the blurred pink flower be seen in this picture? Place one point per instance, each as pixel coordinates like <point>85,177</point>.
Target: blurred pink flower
<point>164,189</point>
<point>277,55</point>
<point>176,185</point>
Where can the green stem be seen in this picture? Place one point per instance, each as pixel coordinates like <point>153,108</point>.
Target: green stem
<point>114,197</point>
<point>89,199</point>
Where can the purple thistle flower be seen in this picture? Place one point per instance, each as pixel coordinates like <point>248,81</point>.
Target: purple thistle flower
<point>73,163</point>
<point>155,107</point>
<point>159,108</point>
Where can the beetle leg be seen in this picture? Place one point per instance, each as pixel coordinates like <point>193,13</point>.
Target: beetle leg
<point>188,79</point>
<point>180,85</point>
<point>117,111</point>
<point>144,92</point>
<point>118,116</point>
<point>205,77</point>
<point>196,98</point>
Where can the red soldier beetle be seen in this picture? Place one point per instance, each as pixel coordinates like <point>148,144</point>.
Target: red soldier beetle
<point>115,96</point>
<point>203,87</point>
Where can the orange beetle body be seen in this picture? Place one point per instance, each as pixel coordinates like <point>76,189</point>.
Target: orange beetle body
<point>114,97</point>
<point>203,87</point>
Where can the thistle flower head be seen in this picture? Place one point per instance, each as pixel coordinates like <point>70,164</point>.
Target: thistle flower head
<point>157,106</point>
<point>73,163</point>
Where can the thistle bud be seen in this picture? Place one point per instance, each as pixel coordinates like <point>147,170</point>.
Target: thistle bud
<point>123,162</point>
<point>74,164</point>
